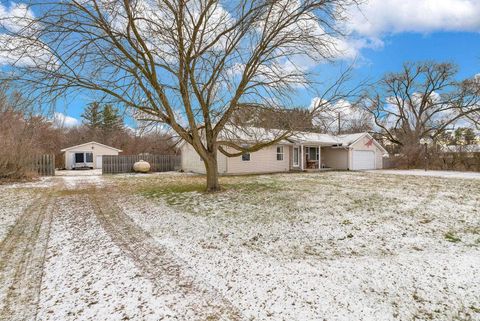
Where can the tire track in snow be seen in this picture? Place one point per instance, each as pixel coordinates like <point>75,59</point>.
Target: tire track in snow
<point>201,301</point>
<point>22,257</point>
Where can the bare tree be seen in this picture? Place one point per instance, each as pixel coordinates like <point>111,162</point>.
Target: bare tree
<point>421,101</point>
<point>22,134</point>
<point>343,118</point>
<point>187,63</point>
<point>337,110</point>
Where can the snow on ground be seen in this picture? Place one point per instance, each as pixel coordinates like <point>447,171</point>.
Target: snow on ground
<point>87,277</point>
<point>333,246</point>
<point>319,246</point>
<point>432,173</point>
<point>42,182</point>
<point>81,179</point>
<point>79,172</point>
<point>82,182</point>
<point>13,202</point>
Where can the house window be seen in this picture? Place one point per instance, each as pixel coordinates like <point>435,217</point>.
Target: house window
<point>79,157</point>
<point>245,157</point>
<point>279,153</point>
<point>312,153</point>
<point>89,157</point>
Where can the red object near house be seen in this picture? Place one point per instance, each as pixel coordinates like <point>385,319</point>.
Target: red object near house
<point>369,143</point>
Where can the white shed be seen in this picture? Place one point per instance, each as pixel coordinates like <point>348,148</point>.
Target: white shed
<point>88,155</point>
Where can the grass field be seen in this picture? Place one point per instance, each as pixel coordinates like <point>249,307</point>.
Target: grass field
<point>333,246</point>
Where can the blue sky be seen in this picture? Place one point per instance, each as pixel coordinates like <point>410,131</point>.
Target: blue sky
<point>383,34</point>
<point>462,48</point>
<point>400,31</point>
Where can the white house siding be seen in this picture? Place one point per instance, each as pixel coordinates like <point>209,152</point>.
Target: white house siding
<point>262,161</point>
<point>336,158</point>
<point>362,145</point>
<point>97,150</point>
<point>191,161</point>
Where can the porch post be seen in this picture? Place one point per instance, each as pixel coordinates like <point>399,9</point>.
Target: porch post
<point>301,157</point>
<point>319,156</point>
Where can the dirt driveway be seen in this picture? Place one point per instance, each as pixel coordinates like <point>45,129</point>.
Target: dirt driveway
<point>73,255</point>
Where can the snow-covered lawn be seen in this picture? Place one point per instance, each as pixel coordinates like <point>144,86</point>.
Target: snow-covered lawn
<point>318,246</point>
<point>333,246</point>
<point>431,173</point>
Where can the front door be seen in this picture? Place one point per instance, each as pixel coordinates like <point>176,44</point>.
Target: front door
<point>296,156</point>
<point>99,161</point>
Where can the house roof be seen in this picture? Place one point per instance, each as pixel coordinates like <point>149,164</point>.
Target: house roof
<point>351,138</point>
<point>314,138</point>
<point>256,134</point>
<point>340,140</point>
<point>251,134</point>
<point>90,143</point>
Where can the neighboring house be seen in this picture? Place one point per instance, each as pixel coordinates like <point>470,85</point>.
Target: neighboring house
<point>303,151</point>
<point>88,155</point>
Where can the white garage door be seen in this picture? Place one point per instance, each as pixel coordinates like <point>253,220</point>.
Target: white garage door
<point>99,162</point>
<point>363,159</point>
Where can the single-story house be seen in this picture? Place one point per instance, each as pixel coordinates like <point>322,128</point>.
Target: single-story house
<point>88,155</point>
<point>302,151</point>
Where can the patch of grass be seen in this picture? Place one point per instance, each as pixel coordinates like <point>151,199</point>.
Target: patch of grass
<point>475,309</point>
<point>156,191</point>
<point>254,187</point>
<point>451,237</point>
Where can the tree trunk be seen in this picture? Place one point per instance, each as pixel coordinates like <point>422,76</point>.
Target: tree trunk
<point>211,167</point>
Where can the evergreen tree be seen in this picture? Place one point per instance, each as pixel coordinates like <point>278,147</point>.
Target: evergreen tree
<point>93,116</point>
<point>469,136</point>
<point>111,119</point>
<point>465,136</point>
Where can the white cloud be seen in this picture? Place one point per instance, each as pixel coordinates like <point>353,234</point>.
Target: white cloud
<point>24,52</point>
<point>382,17</point>
<point>327,114</point>
<point>18,45</point>
<point>62,120</point>
<point>16,17</point>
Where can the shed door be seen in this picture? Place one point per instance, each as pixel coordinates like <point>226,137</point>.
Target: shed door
<point>363,159</point>
<point>99,161</point>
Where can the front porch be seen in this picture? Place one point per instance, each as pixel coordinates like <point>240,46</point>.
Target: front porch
<point>307,158</point>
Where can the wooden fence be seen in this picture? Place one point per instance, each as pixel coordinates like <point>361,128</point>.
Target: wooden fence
<point>44,165</point>
<point>124,163</point>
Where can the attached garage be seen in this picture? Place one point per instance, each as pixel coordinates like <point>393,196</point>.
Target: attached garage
<point>363,160</point>
<point>365,153</point>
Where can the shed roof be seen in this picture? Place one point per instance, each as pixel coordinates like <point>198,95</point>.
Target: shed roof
<point>90,143</point>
